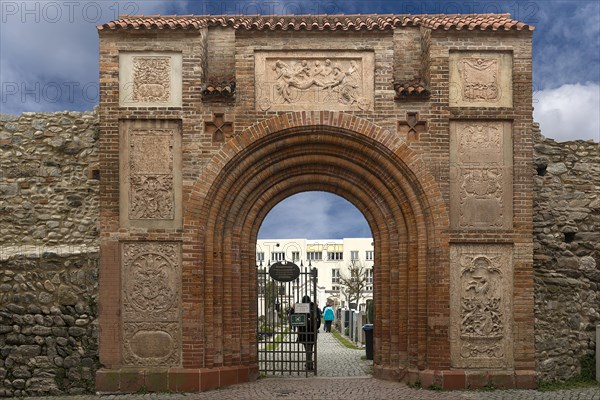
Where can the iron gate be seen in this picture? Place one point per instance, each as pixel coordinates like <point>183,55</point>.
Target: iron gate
<point>286,341</point>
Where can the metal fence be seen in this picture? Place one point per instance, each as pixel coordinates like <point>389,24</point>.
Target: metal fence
<point>286,338</point>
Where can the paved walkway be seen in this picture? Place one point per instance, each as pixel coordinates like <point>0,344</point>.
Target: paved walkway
<point>336,360</point>
<point>342,375</point>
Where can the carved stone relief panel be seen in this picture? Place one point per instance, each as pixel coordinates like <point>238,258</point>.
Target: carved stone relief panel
<point>151,174</point>
<point>151,303</point>
<point>150,79</point>
<point>480,79</point>
<point>316,80</point>
<point>481,305</point>
<point>481,175</point>
<point>151,177</point>
<point>151,281</point>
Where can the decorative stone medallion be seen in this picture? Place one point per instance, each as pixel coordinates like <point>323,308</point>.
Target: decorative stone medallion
<point>481,305</point>
<point>321,80</point>
<point>151,279</point>
<point>150,79</point>
<point>480,79</point>
<point>151,298</point>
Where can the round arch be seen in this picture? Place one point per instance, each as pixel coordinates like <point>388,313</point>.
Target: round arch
<point>327,151</point>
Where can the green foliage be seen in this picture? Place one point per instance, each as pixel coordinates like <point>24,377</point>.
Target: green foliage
<point>344,341</point>
<point>435,386</point>
<point>588,368</point>
<point>586,378</point>
<point>417,385</point>
<point>490,387</point>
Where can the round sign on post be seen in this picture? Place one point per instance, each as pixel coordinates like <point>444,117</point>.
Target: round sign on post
<point>284,271</point>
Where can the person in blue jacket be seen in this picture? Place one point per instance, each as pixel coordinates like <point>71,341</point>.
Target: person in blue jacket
<point>328,317</point>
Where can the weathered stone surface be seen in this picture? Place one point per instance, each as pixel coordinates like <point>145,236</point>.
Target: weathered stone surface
<point>34,341</point>
<point>566,255</point>
<point>33,184</point>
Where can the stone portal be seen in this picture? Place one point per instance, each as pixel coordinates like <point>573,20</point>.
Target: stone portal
<point>207,122</point>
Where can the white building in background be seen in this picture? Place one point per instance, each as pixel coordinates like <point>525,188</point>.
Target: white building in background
<point>331,258</point>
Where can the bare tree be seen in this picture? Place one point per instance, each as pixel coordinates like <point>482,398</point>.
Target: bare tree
<point>354,282</point>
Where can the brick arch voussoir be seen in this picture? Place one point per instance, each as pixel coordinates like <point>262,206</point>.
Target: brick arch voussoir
<point>383,226</point>
<point>304,119</point>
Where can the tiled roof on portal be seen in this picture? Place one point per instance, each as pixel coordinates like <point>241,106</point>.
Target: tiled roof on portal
<point>493,22</point>
<point>218,89</point>
<point>411,90</point>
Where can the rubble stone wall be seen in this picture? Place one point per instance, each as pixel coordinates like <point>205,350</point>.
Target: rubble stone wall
<point>566,254</point>
<point>48,253</point>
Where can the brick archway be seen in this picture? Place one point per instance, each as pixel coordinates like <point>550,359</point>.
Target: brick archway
<point>333,152</point>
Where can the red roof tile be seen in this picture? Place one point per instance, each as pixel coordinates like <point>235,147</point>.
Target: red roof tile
<point>492,22</point>
<point>411,90</point>
<point>220,89</point>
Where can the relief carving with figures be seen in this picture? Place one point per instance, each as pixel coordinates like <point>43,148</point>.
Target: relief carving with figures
<point>481,292</point>
<point>338,81</point>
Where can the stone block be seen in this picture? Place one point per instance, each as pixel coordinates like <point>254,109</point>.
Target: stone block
<point>107,380</point>
<point>131,380</point>
<point>228,376</point>
<point>157,380</point>
<point>502,380</point>
<point>525,379</point>
<point>453,380</point>
<point>209,379</point>
<point>476,379</point>
<point>184,380</point>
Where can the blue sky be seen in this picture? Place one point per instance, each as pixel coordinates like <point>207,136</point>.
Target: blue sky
<point>49,56</point>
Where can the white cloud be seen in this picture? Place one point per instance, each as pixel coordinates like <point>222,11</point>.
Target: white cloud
<point>314,215</point>
<point>49,50</point>
<point>569,112</point>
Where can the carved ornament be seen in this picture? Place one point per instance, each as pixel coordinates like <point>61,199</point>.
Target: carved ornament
<point>151,79</point>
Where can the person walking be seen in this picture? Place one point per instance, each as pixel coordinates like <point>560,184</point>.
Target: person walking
<point>307,333</point>
<point>328,317</point>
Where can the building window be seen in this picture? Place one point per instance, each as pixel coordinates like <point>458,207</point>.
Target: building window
<point>335,276</point>
<point>277,256</point>
<point>314,255</point>
<point>369,255</point>
<point>354,255</point>
<point>295,256</point>
<point>369,276</point>
<point>260,256</point>
<point>335,288</point>
<point>335,256</point>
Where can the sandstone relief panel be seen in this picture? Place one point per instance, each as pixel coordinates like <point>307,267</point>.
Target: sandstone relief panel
<point>316,80</point>
<point>150,79</point>
<point>151,303</point>
<point>151,181</point>
<point>481,305</point>
<point>480,79</point>
<point>481,175</point>
<point>151,174</point>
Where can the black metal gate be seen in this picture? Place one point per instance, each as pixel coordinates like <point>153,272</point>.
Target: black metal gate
<point>287,340</point>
